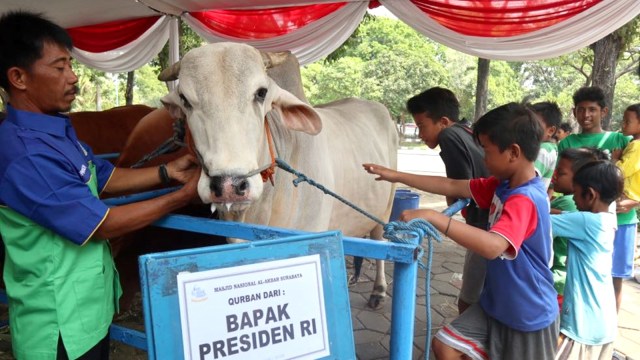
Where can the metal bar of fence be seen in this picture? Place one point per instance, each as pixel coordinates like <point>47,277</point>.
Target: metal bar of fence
<point>395,252</point>
<point>131,337</point>
<point>122,200</point>
<point>403,307</point>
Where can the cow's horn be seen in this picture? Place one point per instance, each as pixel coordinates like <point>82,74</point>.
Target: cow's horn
<point>273,59</point>
<point>170,73</point>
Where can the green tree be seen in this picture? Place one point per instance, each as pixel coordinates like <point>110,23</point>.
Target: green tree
<point>482,88</point>
<point>385,60</point>
<point>504,84</point>
<point>148,89</point>
<point>188,40</point>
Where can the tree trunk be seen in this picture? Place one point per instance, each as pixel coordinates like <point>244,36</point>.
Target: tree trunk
<point>128,93</point>
<point>605,59</point>
<point>98,96</point>
<point>482,88</point>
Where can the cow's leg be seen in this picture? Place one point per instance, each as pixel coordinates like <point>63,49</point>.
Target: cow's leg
<point>357,269</point>
<point>379,292</point>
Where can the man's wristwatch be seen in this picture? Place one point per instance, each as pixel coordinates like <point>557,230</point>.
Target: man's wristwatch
<point>164,174</point>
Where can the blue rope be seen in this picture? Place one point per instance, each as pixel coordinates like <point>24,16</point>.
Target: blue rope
<point>393,232</point>
<point>303,178</point>
<point>423,229</point>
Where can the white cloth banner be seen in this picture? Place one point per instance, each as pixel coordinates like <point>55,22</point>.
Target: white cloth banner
<point>562,38</point>
<point>308,43</point>
<point>131,56</point>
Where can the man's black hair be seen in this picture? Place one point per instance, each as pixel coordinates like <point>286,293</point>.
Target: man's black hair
<point>603,177</point>
<point>510,124</point>
<point>436,102</point>
<point>549,112</point>
<point>634,108</point>
<point>22,38</point>
<point>566,127</point>
<point>589,93</point>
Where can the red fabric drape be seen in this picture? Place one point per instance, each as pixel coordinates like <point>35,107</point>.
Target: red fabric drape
<point>111,35</point>
<point>374,4</point>
<point>499,18</point>
<point>263,23</point>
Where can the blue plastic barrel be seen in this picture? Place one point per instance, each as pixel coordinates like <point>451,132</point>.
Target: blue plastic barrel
<point>404,200</point>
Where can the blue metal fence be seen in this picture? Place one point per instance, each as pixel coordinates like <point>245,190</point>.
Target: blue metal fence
<point>403,255</point>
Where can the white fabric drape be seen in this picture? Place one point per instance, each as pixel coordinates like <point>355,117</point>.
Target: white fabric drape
<point>562,38</point>
<point>131,56</point>
<point>308,43</point>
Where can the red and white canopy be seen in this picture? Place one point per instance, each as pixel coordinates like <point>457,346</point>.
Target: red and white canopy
<point>122,35</point>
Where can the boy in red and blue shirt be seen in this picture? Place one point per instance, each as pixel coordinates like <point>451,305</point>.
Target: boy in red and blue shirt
<point>517,316</point>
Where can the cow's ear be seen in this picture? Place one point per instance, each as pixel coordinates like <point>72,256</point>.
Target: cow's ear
<point>171,102</point>
<point>295,114</point>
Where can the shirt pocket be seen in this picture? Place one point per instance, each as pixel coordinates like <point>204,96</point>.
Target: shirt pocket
<point>92,299</point>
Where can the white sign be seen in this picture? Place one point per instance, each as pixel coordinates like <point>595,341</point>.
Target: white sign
<point>270,310</point>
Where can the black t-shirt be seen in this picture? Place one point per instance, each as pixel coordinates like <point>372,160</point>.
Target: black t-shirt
<point>464,159</point>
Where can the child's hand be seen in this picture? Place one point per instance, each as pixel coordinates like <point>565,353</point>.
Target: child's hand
<point>383,173</point>
<point>408,215</point>
<point>624,205</point>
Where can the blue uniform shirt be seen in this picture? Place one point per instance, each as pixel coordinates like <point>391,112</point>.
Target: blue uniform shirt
<point>44,171</point>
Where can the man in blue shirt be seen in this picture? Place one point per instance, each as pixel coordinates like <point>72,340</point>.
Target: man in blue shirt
<point>61,281</point>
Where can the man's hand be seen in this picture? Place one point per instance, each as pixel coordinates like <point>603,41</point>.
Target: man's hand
<point>183,169</point>
<point>190,187</point>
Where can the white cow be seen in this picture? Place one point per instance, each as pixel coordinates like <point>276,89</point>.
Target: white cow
<point>225,95</point>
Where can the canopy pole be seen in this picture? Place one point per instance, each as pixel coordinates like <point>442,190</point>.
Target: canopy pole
<point>174,46</point>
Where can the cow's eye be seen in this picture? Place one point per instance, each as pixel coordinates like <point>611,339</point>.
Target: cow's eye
<point>261,94</point>
<point>185,102</point>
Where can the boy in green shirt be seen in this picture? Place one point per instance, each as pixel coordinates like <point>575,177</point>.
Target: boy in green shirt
<point>550,116</point>
<point>589,109</point>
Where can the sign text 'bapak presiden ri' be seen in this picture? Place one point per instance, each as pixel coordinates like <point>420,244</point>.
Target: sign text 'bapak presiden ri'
<point>269,310</point>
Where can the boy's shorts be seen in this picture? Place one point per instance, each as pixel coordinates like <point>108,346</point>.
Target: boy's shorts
<point>624,245</point>
<point>473,273</point>
<point>570,349</point>
<point>480,337</point>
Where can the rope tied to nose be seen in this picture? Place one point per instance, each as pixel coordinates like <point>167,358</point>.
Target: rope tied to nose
<point>300,177</point>
<point>173,144</point>
<point>267,171</point>
<point>267,174</point>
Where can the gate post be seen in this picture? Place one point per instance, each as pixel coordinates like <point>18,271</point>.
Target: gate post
<point>403,308</point>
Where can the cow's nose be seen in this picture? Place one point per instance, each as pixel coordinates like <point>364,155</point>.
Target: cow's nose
<point>225,186</point>
<point>240,185</point>
<point>216,185</point>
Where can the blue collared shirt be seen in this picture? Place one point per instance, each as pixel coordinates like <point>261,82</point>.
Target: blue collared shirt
<point>44,171</point>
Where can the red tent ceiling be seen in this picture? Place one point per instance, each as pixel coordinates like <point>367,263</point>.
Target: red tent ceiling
<point>131,31</point>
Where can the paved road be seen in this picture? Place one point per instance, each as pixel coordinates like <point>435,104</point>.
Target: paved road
<point>421,161</point>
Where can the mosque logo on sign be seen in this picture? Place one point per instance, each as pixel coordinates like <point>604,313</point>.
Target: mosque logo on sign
<point>198,294</point>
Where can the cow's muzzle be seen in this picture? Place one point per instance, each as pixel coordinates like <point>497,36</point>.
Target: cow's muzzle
<point>229,188</point>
